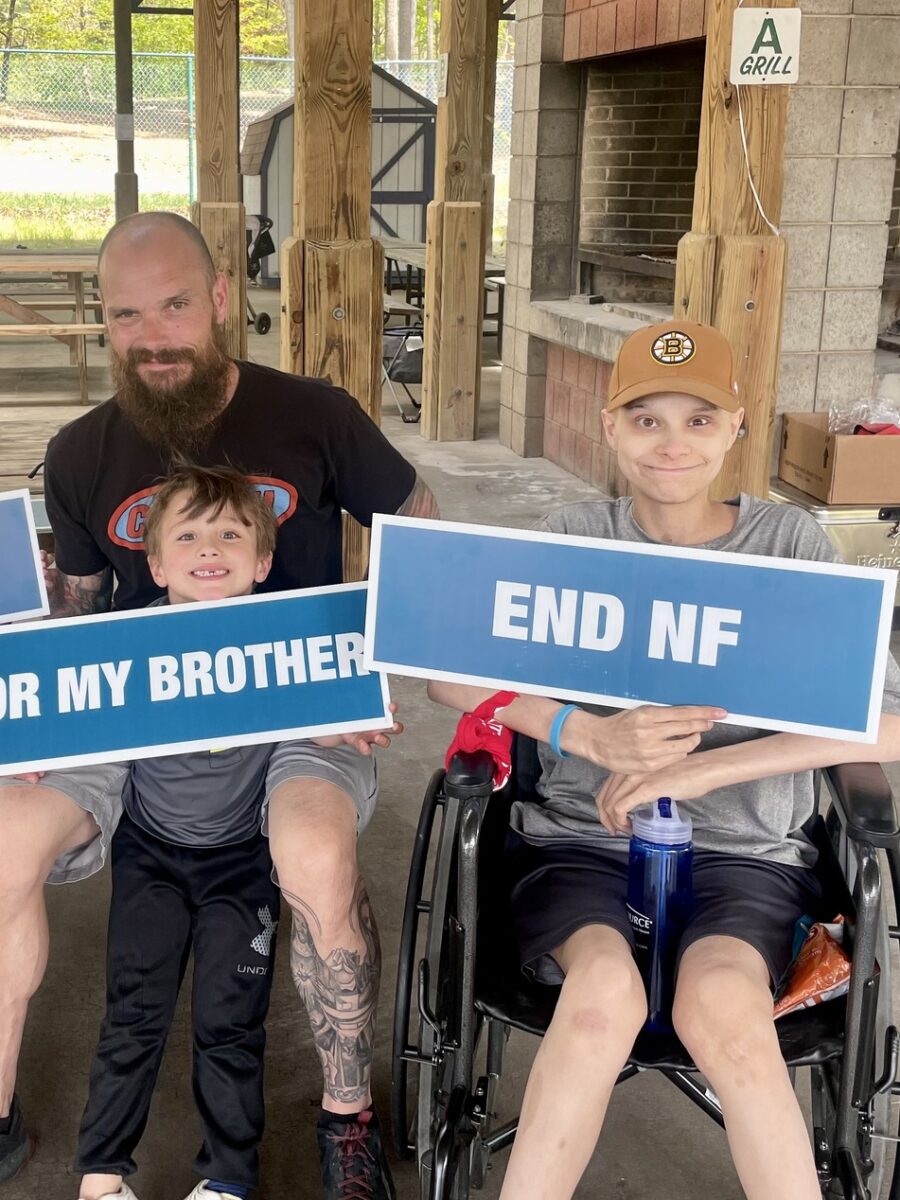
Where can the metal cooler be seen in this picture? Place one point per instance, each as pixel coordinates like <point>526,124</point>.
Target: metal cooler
<point>863,535</point>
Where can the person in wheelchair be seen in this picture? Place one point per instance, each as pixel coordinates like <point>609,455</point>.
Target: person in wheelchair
<point>672,415</point>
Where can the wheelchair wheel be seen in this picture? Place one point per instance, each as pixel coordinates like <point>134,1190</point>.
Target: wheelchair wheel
<point>436,1025</point>
<point>263,322</point>
<point>407,1048</point>
<point>876,1119</point>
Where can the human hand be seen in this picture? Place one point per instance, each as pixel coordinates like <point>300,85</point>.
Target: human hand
<point>686,780</point>
<point>28,776</point>
<point>648,738</point>
<point>363,740</point>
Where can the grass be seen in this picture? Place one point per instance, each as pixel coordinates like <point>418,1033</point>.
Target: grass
<point>51,221</point>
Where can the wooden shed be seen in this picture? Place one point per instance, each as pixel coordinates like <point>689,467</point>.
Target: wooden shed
<point>403,133</point>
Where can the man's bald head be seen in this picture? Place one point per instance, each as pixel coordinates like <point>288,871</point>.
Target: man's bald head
<point>142,231</point>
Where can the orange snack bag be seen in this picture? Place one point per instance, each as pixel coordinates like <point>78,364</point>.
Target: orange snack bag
<point>819,972</point>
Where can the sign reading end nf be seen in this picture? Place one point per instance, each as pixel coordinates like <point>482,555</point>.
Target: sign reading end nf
<point>765,45</point>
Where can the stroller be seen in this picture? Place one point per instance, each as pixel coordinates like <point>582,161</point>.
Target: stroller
<point>259,246</point>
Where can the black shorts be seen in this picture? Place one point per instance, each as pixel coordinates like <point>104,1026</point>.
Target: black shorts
<point>558,888</point>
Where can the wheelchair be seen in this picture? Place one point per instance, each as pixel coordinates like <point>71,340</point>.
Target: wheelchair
<point>460,989</point>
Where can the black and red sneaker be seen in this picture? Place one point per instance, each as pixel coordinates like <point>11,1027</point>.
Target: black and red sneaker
<point>354,1166</point>
<point>15,1144</point>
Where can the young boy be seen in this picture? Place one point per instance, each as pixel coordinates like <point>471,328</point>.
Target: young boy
<point>673,413</point>
<point>190,868</point>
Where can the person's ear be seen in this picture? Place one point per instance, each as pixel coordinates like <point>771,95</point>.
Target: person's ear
<point>220,298</point>
<point>156,570</point>
<point>263,567</point>
<point>735,422</point>
<point>609,426</point>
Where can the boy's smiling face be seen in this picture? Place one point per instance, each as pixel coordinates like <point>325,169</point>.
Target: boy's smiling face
<point>671,447</point>
<point>206,557</point>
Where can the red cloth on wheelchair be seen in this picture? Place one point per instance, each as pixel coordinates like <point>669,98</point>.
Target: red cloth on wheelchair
<point>480,730</point>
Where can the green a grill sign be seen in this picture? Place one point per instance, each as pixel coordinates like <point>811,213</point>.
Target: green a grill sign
<point>765,45</point>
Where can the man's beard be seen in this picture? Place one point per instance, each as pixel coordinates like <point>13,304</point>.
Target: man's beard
<point>179,416</point>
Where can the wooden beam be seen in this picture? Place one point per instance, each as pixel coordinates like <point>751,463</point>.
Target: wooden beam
<point>333,120</point>
<point>223,229</point>
<point>723,199</point>
<point>332,288</point>
<point>292,306</point>
<point>454,266</point>
<point>343,341</point>
<point>749,306</point>
<point>453,323</point>
<point>731,266</point>
<point>695,277</point>
<point>216,49</point>
<point>460,111</point>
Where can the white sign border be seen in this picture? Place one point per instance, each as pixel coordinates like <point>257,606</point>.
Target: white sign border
<point>158,750</point>
<point>886,576</point>
<point>28,614</point>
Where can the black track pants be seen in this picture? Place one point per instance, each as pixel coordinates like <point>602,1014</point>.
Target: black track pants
<point>166,899</point>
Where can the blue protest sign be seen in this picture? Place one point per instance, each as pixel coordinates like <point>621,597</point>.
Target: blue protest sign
<point>781,644</point>
<point>191,677</point>
<point>22,591</point>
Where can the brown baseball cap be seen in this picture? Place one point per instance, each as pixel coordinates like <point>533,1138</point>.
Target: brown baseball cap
<point>676,356</point>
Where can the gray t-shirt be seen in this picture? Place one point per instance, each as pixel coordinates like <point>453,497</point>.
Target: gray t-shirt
<point>201,798</point>
<point>762,818</point>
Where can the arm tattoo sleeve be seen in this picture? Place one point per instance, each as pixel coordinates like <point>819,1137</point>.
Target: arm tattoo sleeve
<point>340,990</point>
<point>419,503</point>
<point>80,595</point>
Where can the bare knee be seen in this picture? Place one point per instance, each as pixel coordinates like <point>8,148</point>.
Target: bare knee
<point>603,1000</point>
<point>39,824</point>
<point>313,841</point>
<point>724,1017</point>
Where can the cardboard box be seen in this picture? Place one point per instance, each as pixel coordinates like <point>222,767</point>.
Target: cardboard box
<point>835,467</point>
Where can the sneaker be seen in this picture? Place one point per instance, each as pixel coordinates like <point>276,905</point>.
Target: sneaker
<point>354,1166</point>
<point>202,1192</point>
<point>124,1193</point>
<point>15,1146</point>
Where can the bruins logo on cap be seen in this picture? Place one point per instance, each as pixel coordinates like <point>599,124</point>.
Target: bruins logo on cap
<point>673,348</point>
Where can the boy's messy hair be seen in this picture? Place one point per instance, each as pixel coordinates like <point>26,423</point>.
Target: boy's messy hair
<point>210,490</point>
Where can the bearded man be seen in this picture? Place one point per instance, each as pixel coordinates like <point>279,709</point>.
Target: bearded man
<point>313,452</point>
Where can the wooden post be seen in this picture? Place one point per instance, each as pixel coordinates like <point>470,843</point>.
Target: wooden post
<point>218,213</point>
<point>731,265</point>
<point>222,226</point>
<point>454,265</point>
<point>332,270</point>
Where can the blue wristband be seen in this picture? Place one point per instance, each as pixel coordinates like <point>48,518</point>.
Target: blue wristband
<point>556,728</point>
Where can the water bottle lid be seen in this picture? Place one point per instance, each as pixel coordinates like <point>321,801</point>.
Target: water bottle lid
<point>661,823</point>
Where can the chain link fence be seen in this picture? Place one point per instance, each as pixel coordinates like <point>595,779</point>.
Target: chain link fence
<point>57,116</point>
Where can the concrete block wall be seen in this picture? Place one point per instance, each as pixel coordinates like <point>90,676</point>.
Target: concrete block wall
<point>598,27</point>
<point>639,149</point>
<point>843,125</point>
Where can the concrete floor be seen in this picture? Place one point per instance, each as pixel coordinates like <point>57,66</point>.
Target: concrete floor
<point>655,1142</point>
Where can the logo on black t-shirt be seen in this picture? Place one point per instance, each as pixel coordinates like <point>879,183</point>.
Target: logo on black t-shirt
<point>127,522</point>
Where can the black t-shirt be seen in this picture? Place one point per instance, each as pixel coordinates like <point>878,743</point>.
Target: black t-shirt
<point>309,446</point>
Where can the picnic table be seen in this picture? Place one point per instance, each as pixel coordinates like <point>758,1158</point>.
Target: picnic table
<point>25,267</point>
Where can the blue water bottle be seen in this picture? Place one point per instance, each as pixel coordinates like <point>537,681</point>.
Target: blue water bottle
<point>659,899</point>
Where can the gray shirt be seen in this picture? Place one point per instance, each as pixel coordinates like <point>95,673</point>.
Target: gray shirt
<point>201,798</point>
<point>204,798</point>
<point>761,818</point>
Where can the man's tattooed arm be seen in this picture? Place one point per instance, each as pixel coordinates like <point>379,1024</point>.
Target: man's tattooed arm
<point>78,595</point>
<point>340,990</point>
<point>419,503</point>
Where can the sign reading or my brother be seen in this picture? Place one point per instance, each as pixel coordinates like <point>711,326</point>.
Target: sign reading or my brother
<point>22,591</point>
<point>190,677</point>
<point>780,644</point>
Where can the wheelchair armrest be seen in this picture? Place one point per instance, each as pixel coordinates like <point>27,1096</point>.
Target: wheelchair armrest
<point>864,803</point>
<point>470,774</point>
